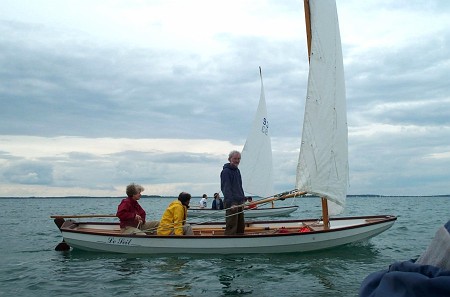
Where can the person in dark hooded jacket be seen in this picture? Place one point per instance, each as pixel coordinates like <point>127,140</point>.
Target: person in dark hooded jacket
<point>217,202</point>
<point>231,186</point>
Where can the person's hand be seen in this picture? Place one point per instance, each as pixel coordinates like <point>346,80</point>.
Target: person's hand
<point>138,218</point>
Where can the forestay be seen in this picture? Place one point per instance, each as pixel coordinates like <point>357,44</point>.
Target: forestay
<point>256,160</point>
<point>323,161</point>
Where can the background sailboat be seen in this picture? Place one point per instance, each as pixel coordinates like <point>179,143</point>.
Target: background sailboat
<point>256,167</point>
<point>256,158</point>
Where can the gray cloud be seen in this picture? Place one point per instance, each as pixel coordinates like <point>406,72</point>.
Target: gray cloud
<point>28,172</point>
<point>121,92</point>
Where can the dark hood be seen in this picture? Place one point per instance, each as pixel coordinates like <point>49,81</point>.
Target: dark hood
<point>229,166</point>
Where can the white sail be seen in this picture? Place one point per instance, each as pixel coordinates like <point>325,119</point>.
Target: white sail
<point>256,160</point>
<point>323,161</point>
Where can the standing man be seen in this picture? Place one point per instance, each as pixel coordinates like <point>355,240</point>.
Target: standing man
<point>231,186</point>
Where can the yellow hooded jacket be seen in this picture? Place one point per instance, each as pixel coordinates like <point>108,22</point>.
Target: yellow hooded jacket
<point>173,219</point>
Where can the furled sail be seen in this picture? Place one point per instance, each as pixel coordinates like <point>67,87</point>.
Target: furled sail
<point>323,161</point>
<point>256,160</point>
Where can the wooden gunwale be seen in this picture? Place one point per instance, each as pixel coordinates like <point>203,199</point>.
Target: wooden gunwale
<point>263,231</point>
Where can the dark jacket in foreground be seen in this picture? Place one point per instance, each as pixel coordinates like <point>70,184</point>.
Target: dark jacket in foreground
<point>427,276</point>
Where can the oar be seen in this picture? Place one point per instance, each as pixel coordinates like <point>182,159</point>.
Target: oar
<point>83,216</point>
<point>281,196</point>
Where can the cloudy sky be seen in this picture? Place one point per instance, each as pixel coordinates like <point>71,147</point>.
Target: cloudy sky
<point>96,94</point>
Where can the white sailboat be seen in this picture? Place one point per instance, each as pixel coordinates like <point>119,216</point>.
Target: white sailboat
<point>322,170</point>
<point>256,168</point>
<point>256,158</point>
<point>249,213</point>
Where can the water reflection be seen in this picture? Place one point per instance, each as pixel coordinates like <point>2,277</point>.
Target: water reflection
<point>316,271</point>
<point>129,267</point>
<point>235,274</point>
<point>172,264</point>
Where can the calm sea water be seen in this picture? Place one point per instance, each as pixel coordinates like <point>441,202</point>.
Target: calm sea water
<point>31,267</point>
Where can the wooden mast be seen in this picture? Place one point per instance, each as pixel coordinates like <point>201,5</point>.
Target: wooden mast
<point>325,217</point>
<point>308,27</point>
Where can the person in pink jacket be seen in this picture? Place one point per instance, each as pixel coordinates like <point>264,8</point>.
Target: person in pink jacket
<point>132,216</point>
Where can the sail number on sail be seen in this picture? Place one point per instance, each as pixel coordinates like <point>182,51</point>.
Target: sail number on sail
<point>265,126</point>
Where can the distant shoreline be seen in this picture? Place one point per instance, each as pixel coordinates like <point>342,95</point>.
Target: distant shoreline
<point>159,196</point>
<point>76,197</point>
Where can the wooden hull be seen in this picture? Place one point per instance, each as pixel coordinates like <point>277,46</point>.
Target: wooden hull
<point>249,213</point>
<point>259,237</point>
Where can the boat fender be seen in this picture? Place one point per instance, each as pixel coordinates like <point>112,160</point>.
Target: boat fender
<point>304,229</point>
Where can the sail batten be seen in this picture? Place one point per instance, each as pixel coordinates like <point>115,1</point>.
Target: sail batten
<point>256,159</point>
<point>323,161</point>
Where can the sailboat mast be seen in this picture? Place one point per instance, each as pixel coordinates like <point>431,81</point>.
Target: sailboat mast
<point>308,26</point>
<point>325,216</point>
